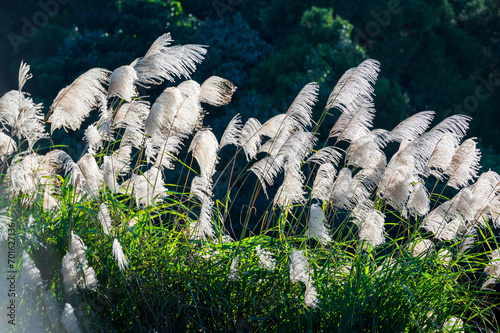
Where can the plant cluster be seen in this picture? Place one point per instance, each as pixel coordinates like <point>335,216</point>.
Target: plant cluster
<point>135,235</point>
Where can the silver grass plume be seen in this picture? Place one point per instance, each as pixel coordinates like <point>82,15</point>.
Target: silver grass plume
<point>74,103</point>
<point>442,155</point>
<point>323,183</point>
<point>362,149</point>
<point>418,203</point>
<point>347,191</point>
<point>22,174</point>
<point>164,62</point>
<point>445,257</point>
<point>326,155</point>
<point>250,138</point>
<point>163,111</point>
<point>437,219</point>
<point>372,229</point>
<point>265,258</point>
<point>453,324</point>
<point>76,271</point>
<point>133,114</point>
<point>216,91</point>
<point>69,321</point>
<point>24,74</point>
<point>189,88</point>
<point>120,257</point>
<point>114,165</point>
<point>421,247</point>
<point>464,164</point>
<point>355,84</point>
<point>205,148</point>
<point>233,269</point>
<point>92,174</point>
<point>122,83</point>
<point>162,151</point>
<point>203,228</point>
<point>232,134</point>
<point>456,125</point>
<point>105,218</point>
<point>187,117</point>
<point>316,225</point>
<point>30,274</point>
<point>105,122</point>
<point>355,124</point>
<point>149,187</point>
<point>291,191</point>
<point>301,108</point>
<point>10,105</point>
<point>93,138</point>
<point>7,146</point>
<point>485,192</point>
<point>412,127</point>
<point>30,123</point>
<point>492,269</point>
<point>299,271</point>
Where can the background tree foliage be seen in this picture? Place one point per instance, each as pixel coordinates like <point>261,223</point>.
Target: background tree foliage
<point>435,55</point>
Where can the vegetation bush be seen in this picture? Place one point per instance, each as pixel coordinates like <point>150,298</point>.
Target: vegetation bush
<point>142,235</point>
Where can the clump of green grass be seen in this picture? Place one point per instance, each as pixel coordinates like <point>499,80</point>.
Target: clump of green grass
<point>136,235</point>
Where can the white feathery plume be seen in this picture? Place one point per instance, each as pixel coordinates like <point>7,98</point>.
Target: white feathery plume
<point>216,91</point>
<point>64,161</point>
<point>163,151</point>
<point>116,164</point>
<point>299,267</point>
<point>316,226</point>
<point>24,74</point>
<point>188,116</point>
<point>10,105</point>
<point>149,187</point>
<point>456,124</point>
<point>361,150</point>
<point>437,219</point>
<point>395,184</point>
<point>30,273</point>
<point>233,270</point>
<point>445,257</point>
<point>74,103</point>
<point>464,164</point>
<point>301,108</point>
<point>267,169</point>
<point>412,127</point>
<point>232,134</point>
<point>346,191</point>
<point>105,122</point>
<point>355,84</point>
<point>201,188</point>
<point>485,192</point>
<point>133,114</point>
<point>163,111</point>
<point>418,203</point>
<point>133,136</point>
<point>205,147</point>
<point>7,146</point>
<point>451,230</point>
<point>372,229</point>
<point>76,271</point>
<point>420,246</point>
<point>323,183</point>
<point>92,174</point>
<point>250,138</point>
<point>105,218</point>
<point>311,296</point>
<point>454,324</point>
<point>442,155</point>
<point>164,62</point>
<point>189,88</point>
<point>94,139</point>
<point>29,122</point>
<point>274,126</point>
<point>265,258</point>
<point>373,171</point>
<point>22,174</point>
<point>203,228</point>
<point>122,83</point>
<point>120,257</point>
<point>492,269</point>
<point>69,321</point>
<point>353,125</point>
<point>291,191</point>
<point>326,155</point>
<point>49,202</point>
<point>299,271</point>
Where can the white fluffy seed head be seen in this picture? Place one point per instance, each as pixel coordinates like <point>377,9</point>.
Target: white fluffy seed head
<point>316,226</point>
<point>122,83</point>
<point>68,319</point>
<point>120,257</point>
